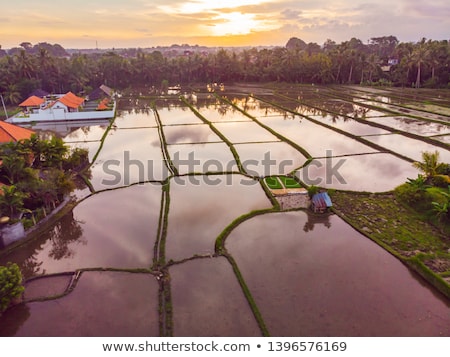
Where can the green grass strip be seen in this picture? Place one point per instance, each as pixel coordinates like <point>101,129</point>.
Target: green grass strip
<point>165,151</point>
<point>102,140</point>
<point>249,297</point>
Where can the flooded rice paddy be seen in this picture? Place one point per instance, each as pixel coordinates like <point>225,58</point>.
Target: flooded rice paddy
<point>176,236</point>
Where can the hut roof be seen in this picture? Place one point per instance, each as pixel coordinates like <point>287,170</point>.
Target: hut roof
<point>321,200</point>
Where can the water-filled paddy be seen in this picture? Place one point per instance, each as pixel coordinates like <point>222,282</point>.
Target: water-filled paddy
<point>266,159</point>
<point>202,158</point>
<point>190,134</point>
<point>376,172</point>
<point>309,275</point>
<point>225,312</point>
<point>202,206</point>
<point>411,148</point>
<point>97,294</point>
<point>245,132</point>
<point>317,140</point>
<point>301,272</point>
<point>129,156</point>
<point>111,229</point>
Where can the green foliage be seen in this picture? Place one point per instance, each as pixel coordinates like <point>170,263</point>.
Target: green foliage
<point>12,200</point>
<point>440,180</point>
<point>77,160</point>
<point>442,208</point>
<point>429,164</point>
<point>443,169</point>
<point>419,183</point>
<point>37,172</point>
<point>312,190</point>
<point>10,285</point>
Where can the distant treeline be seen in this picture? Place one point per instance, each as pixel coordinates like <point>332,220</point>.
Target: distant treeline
<point>382,61</point>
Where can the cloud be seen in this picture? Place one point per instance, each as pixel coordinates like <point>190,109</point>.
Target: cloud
<point>290,14</point>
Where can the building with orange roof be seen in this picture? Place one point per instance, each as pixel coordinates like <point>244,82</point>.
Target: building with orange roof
<point>10,132</point>
<point>32,103</point>
<point>63,107</point>
<point>70,101</point>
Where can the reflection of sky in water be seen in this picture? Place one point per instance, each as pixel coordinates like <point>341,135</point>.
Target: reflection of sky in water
<point>185,134</point>
<point>316,139</point>
<point>377,172</point>
<point>177,116</point>
<point>223,113</point>
<point>443,138</point>
<point>202,206</point>
<point>71,131</point>
<point>129,156</point>
<point>242,132</point>
<point>323,278</point>
<point>408,147</point>
<point>265,159</point>
<point>136,120</point>
<point>105,295</point>
<point>350,125</point>
<point>191,283</point>
<point>111,229</point>
<point>212,157</point>
<point>414,126</point>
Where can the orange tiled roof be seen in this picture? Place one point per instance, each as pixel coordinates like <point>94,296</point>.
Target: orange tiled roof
<point>102,106</point>
<point>32,101</point>
<point>71,100</point>
<point>11,132</point>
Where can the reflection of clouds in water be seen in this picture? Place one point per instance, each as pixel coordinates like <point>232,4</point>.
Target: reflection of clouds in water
<point>189,134</point>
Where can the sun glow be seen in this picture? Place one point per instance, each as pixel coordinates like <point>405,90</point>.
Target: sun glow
<point>234,23</point>
<point>197,6</point>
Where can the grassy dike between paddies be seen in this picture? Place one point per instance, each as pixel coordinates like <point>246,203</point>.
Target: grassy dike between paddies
<point>399,230</point>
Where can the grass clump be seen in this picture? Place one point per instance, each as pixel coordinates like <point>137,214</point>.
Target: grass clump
<point>273,183</point>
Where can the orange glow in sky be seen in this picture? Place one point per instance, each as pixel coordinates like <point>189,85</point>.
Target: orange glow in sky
<point>148,23</point>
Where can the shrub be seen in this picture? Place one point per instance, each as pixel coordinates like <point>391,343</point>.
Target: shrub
<point>410,194</point>
<point>440,181</point>
<point>312,190</point>
<point>10,285</point>
<point>443,169</point>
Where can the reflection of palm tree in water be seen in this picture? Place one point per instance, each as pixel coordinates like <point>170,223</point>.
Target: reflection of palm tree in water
<point>61,235</point>
<point>65,232</point>
<point>314,219</point>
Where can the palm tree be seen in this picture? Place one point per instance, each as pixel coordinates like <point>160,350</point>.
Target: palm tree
<point>430,163</point>
<point>421,56</point>
<point>25,64</point>
<point>12,94</point>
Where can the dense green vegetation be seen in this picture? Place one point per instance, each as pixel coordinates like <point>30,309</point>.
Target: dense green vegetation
<point>384,60</point>
<point>36,174</point>
<point>10,285</point>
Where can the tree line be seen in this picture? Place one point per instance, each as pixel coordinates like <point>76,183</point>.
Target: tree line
<point>382,61</point>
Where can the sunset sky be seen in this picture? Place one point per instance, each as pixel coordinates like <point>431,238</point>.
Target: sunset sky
<point>148,23</point>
